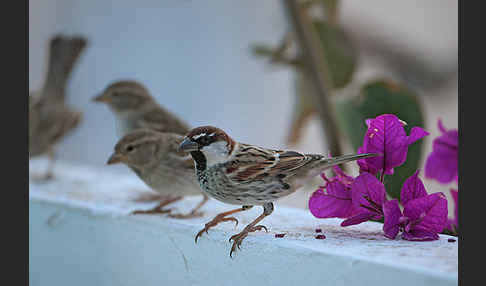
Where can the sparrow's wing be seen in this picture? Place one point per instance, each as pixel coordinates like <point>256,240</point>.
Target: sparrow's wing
<point>60,123</point>
<point>162,121</point>
<point>258,163</point>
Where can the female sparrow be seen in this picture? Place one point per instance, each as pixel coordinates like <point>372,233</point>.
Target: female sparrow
<point>49,116</point>
<point>247,175</point>
<point>135,108</point>
<point>155,158</point>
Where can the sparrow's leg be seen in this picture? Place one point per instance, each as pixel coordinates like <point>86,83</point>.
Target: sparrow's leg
<point>158,209</point>
<point>238,238</point>
<point>194,213</point>
<point>150,197</point>
<point>220,218</point>
<point>50,164</point>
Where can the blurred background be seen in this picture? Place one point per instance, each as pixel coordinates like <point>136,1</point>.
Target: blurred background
<point>210,62</point>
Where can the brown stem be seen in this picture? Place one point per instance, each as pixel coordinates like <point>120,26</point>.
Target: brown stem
<point>319,72</point>
<point>331,9</point>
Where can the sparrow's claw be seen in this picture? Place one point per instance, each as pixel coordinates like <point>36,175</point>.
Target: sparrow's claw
<point>238,238</point>
<point>231,219</point>
<point>260,227</point>
<point>213,223</point>
<point>199,234</point>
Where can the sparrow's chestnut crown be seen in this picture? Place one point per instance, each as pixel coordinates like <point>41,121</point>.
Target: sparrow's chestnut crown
<point>204,136</point>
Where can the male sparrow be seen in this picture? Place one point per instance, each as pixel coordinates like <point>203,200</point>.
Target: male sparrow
<point>49,116</point>
<point>155,158</point>
<point>247,175</point>
<point>135,108</point>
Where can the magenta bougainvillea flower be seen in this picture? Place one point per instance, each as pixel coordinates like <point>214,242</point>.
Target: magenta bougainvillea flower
<point>334,198</point>
<point>453,224</point>
<point>367,196</point>
<point>424,215</point>
<point>363,198</point>
<point>442,162</point>
<point>386,135</point>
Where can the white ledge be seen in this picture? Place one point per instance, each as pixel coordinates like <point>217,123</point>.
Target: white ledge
<point>81,233</point>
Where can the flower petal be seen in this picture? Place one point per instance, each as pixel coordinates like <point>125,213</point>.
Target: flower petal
<point>357,219</point>
<point>392,214</point>
<point>454,194</point>
<point>415,134</point>
<point>386,135</point>
<point>430,212</point>
<point>366,188</point>
<point>413,188</point>
<point>442,162</point>
<point>420,235</point>
<point>441,126</point>
<point>335,202</point>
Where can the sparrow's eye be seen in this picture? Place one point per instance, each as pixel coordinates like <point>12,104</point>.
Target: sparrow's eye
<point>130,148</point>
<point>115,94</point>
<point>204,140</point>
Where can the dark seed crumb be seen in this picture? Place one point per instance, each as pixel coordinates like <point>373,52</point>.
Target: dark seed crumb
<point>279,235</point>
<point>318,230</point>
<point>320,236</point>
<point>451,240</point>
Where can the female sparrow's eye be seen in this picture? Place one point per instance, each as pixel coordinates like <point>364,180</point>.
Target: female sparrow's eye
<point>130,148</point>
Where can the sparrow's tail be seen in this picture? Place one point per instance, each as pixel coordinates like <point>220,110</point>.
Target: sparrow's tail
<point>329,162</point>
<point>63,54</point>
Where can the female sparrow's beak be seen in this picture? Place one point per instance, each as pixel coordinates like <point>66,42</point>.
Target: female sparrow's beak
<point>101,98</point>
<point>115,159</point>
<point>188,146</point>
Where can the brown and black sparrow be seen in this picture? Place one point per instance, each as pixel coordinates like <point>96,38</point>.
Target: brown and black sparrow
<point>155,158</point>
<point>134,108</point>
<point>247,175</point>
<point>50,119</point>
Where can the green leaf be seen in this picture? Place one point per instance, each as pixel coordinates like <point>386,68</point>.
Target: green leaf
<point>339,53</point>
<point>376,98</point>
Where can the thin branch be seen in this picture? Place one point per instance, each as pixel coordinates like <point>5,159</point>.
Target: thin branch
<point>315,61</point>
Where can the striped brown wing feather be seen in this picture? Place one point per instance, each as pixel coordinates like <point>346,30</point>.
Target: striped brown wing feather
<point>258,163</point>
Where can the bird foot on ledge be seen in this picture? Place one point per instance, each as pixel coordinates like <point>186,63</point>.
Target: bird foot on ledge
<point>159,209</point>
<point>238,238</point>
<point>187,216</point>
<point>215,221</point>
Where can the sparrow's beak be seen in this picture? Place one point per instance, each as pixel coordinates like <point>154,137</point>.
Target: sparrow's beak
<point>101,98</point>
<point>188,146</point>
<point>115,159</point>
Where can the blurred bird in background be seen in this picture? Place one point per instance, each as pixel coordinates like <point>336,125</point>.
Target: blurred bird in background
<point>150,135</point>
<point>50,119</point>
<point>134,108</point>
<point>155,158</point>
